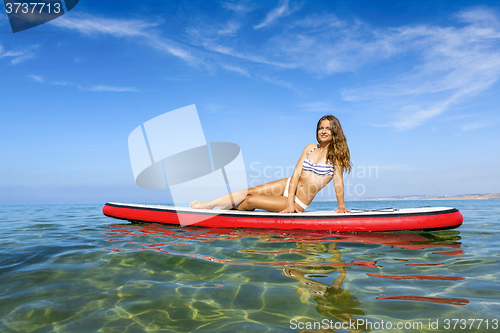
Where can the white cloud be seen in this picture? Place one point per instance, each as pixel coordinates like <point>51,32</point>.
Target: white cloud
<point>316,22</point>
<point>475,125</point>
<point>163,44</point>
<point>440,65</point>
<point>317,107</point>
<point>110,89</point>
<point>91,25</point>
<point>122,28</point>
<point>236,69</point>
<point>282,10</point>
<point>419,115</point>
<point>211,45</point>
<point>463,116</point>
<point>36,78</point>
<point>18,56</point>
<point>230,29</point>
<point>59,83</point>
<point>453,63</point>
<point>97,88</point>
<point>240,8</point>
<point>281,83</point>
<point>479,15</point>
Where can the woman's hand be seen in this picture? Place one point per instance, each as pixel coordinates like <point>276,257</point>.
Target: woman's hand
<point>291,209</point>
<point>342,210</point>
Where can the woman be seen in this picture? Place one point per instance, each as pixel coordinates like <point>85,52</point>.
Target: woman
<point>317,166</point>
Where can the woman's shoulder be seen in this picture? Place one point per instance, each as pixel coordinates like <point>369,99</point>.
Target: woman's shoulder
<point>311,146</point>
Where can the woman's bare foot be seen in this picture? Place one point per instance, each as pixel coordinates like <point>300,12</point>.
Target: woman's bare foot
<point>201,205</point>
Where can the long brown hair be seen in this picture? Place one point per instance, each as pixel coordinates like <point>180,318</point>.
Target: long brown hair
<point>337,149</point>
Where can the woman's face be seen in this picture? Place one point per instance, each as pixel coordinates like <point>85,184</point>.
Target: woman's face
<point>325,132</point>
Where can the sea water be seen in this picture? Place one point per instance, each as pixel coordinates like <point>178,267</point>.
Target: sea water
<point>68,268</point>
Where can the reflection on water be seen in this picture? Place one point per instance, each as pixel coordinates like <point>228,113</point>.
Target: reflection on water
<point>69,269</point>
<point>313,259</point>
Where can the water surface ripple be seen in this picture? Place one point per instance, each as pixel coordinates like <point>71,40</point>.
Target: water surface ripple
<point>68,268</point>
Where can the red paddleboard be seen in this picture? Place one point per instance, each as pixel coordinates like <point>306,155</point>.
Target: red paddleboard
<point>429,218</point>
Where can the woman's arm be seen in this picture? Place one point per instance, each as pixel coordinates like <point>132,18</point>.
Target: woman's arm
<point>294,181</point>
<point>338,184</point>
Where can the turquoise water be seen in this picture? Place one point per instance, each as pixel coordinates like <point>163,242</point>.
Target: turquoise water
<point>71,269</point>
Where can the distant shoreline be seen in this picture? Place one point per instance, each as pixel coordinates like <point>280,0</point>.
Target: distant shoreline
<point>432,197</point>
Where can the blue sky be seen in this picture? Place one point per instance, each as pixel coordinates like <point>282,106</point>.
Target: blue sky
<point>413,83</point>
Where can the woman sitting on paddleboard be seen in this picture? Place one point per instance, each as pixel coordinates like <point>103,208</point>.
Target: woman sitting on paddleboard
<point>317,166</point>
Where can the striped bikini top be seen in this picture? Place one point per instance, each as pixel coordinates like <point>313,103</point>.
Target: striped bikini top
<point>321,169</point>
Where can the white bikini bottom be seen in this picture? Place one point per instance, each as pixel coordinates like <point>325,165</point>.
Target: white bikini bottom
<point>300,203</point>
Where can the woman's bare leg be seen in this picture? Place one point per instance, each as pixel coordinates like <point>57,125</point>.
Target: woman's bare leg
<point>271,203</point>
<point>231,199</point>
<point>275,188</point>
